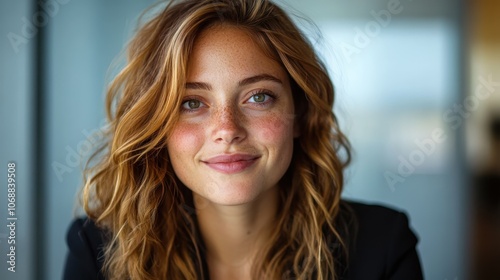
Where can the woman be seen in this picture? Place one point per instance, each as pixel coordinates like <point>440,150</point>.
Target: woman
<point>222,161</point>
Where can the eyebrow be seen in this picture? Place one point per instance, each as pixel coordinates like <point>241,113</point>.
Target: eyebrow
<point>244,82</point>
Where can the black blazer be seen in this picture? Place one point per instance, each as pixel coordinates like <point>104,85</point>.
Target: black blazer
<point>381,246</point>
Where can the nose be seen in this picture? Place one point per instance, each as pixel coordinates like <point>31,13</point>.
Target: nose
<point>228,126</point>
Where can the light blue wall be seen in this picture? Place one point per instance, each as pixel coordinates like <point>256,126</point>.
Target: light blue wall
<point>16,106</point>
<point>83,40</point>
<point>392,95</point>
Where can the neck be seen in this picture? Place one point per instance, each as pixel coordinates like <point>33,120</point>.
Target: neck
<point>234,234</point>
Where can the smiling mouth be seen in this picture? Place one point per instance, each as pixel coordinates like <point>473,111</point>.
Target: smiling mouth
<point>230,164</point>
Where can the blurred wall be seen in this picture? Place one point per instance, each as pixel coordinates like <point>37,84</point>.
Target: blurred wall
<point>82,41</point>
<point>16,145</point>
<point>398,70</point>
<point>484,60</point>
<point>483,137</point>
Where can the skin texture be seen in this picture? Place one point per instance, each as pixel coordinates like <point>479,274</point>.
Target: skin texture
<point>225,113</point>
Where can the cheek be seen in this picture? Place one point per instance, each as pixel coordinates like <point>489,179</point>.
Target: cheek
<point>275,129</point>
<point>185,139</point>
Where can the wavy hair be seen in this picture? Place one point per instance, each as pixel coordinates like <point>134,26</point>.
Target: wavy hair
<point>132,191</point>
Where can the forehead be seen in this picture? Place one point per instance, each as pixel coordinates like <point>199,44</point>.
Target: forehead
<point>228,49</point>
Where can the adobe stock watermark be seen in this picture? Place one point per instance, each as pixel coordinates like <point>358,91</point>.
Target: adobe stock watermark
<point>364,36</point>
<point>427,146</point>
<point>39,19</point>
<point>84,148</point>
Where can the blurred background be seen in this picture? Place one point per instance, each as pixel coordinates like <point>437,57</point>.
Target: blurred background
<point>418,94</point>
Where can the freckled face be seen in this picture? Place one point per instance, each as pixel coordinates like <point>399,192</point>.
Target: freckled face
<point>234,138</point>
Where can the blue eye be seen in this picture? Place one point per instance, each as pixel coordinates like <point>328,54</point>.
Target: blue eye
<point>259,98</point>
<point>191,104</point>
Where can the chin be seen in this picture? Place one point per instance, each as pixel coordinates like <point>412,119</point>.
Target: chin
<point>233,193</point>
<point>234,197</point>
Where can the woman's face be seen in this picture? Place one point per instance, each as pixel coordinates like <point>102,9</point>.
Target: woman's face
<point>234,138</point>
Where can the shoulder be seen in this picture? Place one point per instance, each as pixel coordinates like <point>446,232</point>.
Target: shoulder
<point>381,243</point>
<point>85,250</point>
<point>377,219</point>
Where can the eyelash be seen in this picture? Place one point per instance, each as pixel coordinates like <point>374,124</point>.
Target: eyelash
<point>271,96</point>
<point>187,110</point>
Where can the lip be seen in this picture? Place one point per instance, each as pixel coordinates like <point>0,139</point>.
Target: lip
<point>231,163</point>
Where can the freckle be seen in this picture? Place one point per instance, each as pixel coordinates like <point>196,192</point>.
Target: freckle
<point>227,112</point>
<point>277,121</point>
